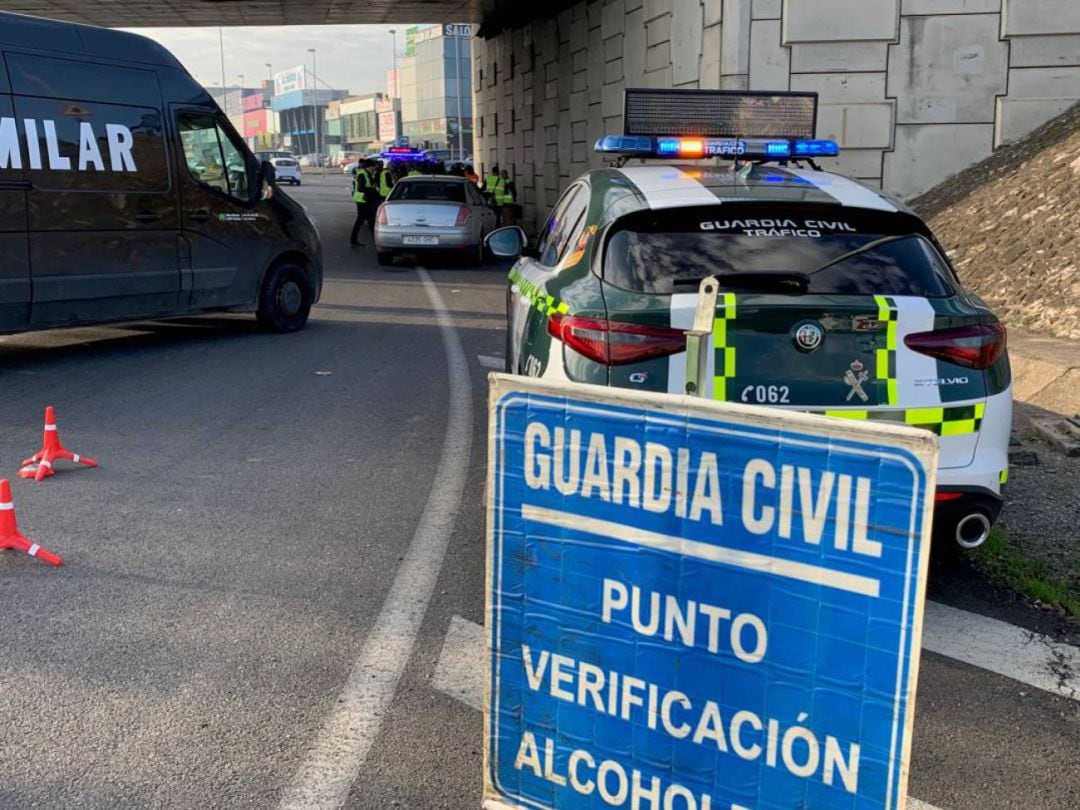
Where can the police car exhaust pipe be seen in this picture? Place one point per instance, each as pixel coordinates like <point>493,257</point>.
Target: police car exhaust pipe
<point>972,530</point>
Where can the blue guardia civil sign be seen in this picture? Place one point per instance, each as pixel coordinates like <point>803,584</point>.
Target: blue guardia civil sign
<point>696,606</point>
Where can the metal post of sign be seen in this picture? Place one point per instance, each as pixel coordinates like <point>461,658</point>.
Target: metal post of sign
<point>697,339</point>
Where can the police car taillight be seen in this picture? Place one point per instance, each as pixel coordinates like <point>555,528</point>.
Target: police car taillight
<point>381,215</point>
<point>978,346</point>
<point>615,343</point>
<point>464,214</point>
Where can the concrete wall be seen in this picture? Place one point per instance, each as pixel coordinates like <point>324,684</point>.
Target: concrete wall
<point>913,90</point>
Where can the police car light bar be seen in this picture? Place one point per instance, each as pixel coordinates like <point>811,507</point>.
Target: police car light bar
<point>648,146</point>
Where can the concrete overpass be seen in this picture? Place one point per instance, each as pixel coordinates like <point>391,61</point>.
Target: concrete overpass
<point>914,90</point>
<point>151,13</point>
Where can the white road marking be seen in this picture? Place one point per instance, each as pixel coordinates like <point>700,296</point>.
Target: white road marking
<point>1002,648</point>
<point>491,361</point>
<point>334,760</point>
<point>460,671</point>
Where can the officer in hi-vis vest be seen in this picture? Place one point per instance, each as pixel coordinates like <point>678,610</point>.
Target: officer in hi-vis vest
<point>362,193</point>
<point>384,182</point>
<point>506,198</point>
<point>493,186</point>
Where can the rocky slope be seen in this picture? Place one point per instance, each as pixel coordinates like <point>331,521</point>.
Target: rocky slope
<point>1010,225</point>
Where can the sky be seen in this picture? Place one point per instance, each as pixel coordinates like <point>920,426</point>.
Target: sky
<point>348,57</point>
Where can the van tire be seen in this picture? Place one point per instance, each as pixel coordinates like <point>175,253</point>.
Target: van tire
<point>385,257</point>
<point>285,299</point>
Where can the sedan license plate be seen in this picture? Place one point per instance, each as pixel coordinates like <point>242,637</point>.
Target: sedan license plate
<point>420,240</point>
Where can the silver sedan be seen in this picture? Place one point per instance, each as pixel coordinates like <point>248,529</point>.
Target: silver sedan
<point>427,213</point>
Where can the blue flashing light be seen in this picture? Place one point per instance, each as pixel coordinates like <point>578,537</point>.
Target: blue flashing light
<point>777,149</point>
<point>626,144</point>
<point>816,148</point>
<point>667,146</point>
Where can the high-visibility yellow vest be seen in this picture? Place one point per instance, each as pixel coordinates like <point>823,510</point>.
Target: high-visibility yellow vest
<point>386,183</point>
<point>496,186</point>
<point>361,181</point>
<point>414,172</point>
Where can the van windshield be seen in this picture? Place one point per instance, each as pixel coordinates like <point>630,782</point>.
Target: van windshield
<point>665,252</point>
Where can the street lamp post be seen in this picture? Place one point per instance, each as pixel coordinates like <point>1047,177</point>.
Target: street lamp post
<point>315,99</point>
<point>393,53</point>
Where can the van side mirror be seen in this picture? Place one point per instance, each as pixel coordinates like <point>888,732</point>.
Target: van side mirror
<point>267,179</point>
<point>507,243</point>
<point>268,172</point>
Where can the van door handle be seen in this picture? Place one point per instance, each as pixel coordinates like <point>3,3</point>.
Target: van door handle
<point>199,216</point>
<point>147,216</point>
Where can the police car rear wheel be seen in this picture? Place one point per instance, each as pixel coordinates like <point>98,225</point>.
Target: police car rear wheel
<point>285,299</point>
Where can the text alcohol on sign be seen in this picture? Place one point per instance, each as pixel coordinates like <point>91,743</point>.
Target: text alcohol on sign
<point>696,606</point>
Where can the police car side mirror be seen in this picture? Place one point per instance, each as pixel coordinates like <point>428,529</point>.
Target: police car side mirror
<point>507,243</point>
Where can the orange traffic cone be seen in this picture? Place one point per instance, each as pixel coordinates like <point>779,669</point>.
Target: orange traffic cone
<point>40,465</point>
<point>9,530</point>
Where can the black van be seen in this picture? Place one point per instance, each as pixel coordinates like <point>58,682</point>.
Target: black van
<point>126,194</point>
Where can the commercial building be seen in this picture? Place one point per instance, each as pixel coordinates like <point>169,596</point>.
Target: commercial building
<point>389,110</point>
<point>260,123</point>
<point>356,120</point>
<point>436,88</point>
<point>301,110</point>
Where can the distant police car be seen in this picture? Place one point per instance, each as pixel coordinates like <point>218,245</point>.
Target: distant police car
<point>834,298</point>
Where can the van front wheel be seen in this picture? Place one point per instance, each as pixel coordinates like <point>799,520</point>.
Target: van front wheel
<point>285,299</point>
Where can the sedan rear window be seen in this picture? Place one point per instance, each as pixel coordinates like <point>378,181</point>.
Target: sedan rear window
<point>284,162</point>
<point>432,191</point>
<point>834,252</point>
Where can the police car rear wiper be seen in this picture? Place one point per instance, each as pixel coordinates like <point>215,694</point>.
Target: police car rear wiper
<point>843,257</point>
<point>754,281</point>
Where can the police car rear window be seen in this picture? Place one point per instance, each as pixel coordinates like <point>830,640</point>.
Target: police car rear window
<point>428,190</point>
<point>664,252</point>
<point>284,162</point>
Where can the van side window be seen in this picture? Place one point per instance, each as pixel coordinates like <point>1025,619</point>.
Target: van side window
<point>82,80</point>
<point>211,156</point>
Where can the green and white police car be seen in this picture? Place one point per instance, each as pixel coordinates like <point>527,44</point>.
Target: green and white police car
<point>834,299</point>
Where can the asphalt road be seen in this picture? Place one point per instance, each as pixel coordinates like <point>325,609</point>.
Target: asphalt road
<point>233,558</point>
